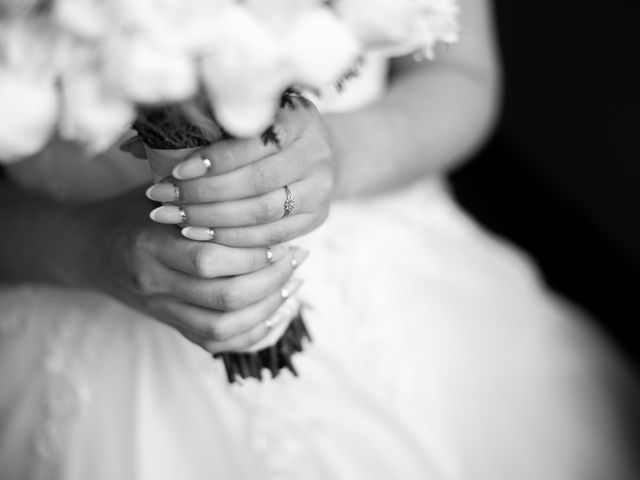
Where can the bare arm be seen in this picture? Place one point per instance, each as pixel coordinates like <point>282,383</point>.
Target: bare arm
<point>434,115</point>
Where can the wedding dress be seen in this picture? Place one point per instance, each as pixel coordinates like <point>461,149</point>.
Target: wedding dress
<point>437,354</point>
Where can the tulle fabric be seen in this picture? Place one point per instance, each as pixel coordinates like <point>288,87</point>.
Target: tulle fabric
<point>437,354</point>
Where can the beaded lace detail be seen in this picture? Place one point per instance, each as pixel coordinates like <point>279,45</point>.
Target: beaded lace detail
<point>275,427</point>
<point>68,343</point>
<point>67,393</point>
<point>12,320</point>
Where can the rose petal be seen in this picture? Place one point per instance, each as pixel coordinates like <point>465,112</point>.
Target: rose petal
<point>246,79</point>
<point>321,48</point>
<point>90,114</point>
<point>30,108</point>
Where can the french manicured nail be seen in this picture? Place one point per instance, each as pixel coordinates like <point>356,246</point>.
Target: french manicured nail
<point>279,316</point>
<point>192,168</point>
<point>291,287</point>
<point>199,234</point>
<point>299,256</point>
<point>285,312</point>
<point>276,252</point>
<point>164,192</point>
<point>168,214</point>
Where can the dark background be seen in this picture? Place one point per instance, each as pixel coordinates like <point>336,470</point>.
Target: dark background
<point>560,176</point>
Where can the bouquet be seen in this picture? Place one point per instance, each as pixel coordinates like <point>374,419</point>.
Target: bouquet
<point>186,73</point>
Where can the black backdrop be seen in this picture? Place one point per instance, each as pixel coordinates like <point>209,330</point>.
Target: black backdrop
<point>561,175</point>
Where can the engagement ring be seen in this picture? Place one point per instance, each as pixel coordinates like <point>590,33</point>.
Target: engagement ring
<point>289,203</point>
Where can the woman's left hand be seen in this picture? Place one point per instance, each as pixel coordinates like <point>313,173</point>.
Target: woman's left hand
<point>257,191</point>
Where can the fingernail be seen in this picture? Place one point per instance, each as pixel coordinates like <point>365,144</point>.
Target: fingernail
<point>200,234</point>
<point>292,305</point>
<point>169,214</point>
<point>291,287</point>
<point>277,252</point>
<point>299,257</point>
<point>285,312</point>
<point>192,168</point>
<point>279,316</point>
<point>164,192</point>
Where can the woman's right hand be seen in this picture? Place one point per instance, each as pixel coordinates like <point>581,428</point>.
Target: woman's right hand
<point>217,296</point>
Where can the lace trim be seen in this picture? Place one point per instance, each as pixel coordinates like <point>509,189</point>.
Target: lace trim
<point>275,427</point>
<point>67,394</point>
<point>18,311</point>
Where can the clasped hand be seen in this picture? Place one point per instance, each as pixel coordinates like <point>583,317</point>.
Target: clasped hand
<point>231,268</point>
<point>234,191</point>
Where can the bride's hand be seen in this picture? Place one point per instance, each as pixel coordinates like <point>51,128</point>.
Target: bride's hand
<point>240,187</point>
<point>216,296</point>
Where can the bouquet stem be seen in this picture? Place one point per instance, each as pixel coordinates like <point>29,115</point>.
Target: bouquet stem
<point>274,358</point>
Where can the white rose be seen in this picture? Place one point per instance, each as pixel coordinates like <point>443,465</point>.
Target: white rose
<point>146,73</point>
<point>30,45</point>
<point>320,47</point>
<point>88,18</point>
<point>399,27</point>
<point>90,114</point>
<point>280,15</point>
<point>181,25</point>
<point>246,78</point>
<point>29,114</point>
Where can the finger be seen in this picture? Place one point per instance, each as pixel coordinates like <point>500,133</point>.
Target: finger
<point>222,157</point>
<point>228,155</point>
<point>301,197</point>
<point>277,323</point>
<point>233,293</point>
<point>258,177</point>
<point>254,175</point>
<point>210,260</point>
<point>191,321</point>
<point>206,327</point>
<point>266,326</point>
<point>280,231</point>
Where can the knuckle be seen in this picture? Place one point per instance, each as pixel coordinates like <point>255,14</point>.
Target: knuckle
<point>199,192</point>
<point>140,243</point>
<point>279,234</point>
<point>265,178</point>
<point>202,260</point>
<point>231,298</point>
<point>144,282</point>
<point>225,153</point>
<point>217,332</point>
<point>258,259</point>
<point>266,212</point>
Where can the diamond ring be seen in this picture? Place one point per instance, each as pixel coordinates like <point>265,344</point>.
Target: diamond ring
<point>289,203</point>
